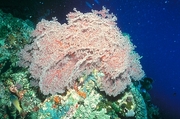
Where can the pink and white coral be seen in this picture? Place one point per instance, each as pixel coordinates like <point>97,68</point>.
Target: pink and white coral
<point>60,53</point>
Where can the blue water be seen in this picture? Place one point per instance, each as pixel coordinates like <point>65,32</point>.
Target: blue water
<point>155,30</point>
<point>154,26</point>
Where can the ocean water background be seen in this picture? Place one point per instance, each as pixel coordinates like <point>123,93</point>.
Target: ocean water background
<point>155,30</point>
<point>154,27</point>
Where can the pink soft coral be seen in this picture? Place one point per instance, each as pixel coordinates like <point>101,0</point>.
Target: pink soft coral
<point>61,52</point>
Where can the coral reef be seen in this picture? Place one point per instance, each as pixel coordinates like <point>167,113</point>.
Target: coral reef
<point>141,112</point>
<point>60,53</point>
<point>14,34</point>
<point>88,95</point>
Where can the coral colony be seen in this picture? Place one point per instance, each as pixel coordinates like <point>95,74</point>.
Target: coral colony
<point>83,69</point>
<point>60,53</point>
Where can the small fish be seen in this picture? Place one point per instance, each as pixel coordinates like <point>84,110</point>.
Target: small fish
<point>89,5</point>
<point>15,101</point>
<point>97,1</point>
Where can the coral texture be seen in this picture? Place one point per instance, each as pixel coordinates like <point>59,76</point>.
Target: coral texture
<point>141,110</point>
<point>60,53</point>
